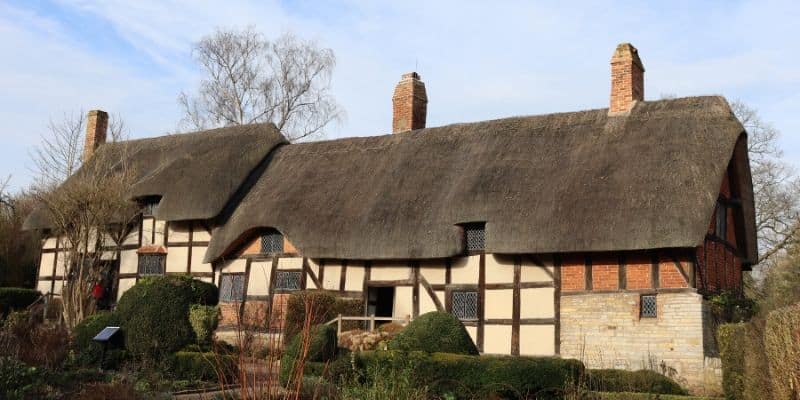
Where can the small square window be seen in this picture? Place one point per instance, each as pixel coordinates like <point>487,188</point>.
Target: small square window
<point>231,287</point>
<point>475,235</point>
<point>648,306</point>
<point>465,305</point>
<point>150,206</point>
<point>151,264</point>
<point>288,280</point>
<point>272,242</point>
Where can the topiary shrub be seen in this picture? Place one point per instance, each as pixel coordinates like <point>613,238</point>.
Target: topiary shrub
<point>90,352</point>
<point>155,316</point>
<point>642,381</point>
<point>19,381</point>
<point>202,366</point>
<point>321,348</point>
<point>782,346</point>
<point>469,377</point>
<point>435,332</point>
<point>731,339</point>
<point>321,302</point>
<point>13,299</point>
<point>204,320</point>
<point>204,293</point>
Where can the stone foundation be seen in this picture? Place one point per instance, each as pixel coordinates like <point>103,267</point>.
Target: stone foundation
<point>604,330</point>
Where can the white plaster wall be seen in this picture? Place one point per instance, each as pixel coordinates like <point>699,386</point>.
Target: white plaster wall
<point>231,266</point>
<point>161,228</point>
<point>61,264</point>
<point>536,303</point>
<point>537,340</point>
<point>389,271</point>
<point>46,264</point>
<point>403,301</point>
<point>200,234</point>
<point>497,339</point>
<point>473,333</point>
<point>533,273</point>
<point>293,263</point>
<point>43,286</point>
<point>354,281</point>
<point>426,304</point>
<point>333,272</point>
<point>434,272</point>
<point>49,243</point>
<point>178,232</point>
<point>132,237</point>
<point>198,252</point>
<point>125,284</point>
<point>499,269</point>
<point>129,262</point>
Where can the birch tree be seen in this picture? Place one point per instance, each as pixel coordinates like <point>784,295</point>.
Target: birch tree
<point>249,79</point>
<point>87,206</point>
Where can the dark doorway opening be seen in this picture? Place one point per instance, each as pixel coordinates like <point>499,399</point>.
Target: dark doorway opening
<point>380,301</point>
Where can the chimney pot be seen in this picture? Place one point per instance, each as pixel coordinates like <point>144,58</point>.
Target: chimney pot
<point>96,129</point>
<point>409,104</point>
<point>627,79</point>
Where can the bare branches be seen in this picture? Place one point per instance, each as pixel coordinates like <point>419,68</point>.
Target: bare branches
<point>775,186</point>
<point>251,80</point>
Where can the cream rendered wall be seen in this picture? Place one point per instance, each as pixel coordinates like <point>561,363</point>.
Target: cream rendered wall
<point>232,266</point>
<point>198,252</point>
<point>179,232</point>
<point>129,262</point>
<point>291,263</point>
<point>58,286</point>
<point>43,286</point>
<point>426,304</point>
<point>434,273</point>
<point>125,284</point>
<point>473,333</point>
<point>258,281</point>
<point>46,264</point>
<point>132,237</point>
<point>61,262</point>
<point>499,269</point>
<point>465,270</point>
<point>388,271</point>
<point>497,339</point>
<point>161,228</point>
<point>49,243</point>
<point>333,272</point>
<point>500,304</point>
<point>537,340</point>
<point>354,281</point>
<point>199,234</point>
<point>536,303</point>
<point>176,259</point>
<point>403,302</point>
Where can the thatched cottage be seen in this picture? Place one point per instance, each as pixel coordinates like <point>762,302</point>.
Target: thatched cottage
<point>590,234</point>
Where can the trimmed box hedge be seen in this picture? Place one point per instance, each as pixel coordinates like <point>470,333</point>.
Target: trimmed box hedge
<point>90,352</point>
<point>435,332</point>
<point>782,346</point>
<point>731,341</point>
<point>14,299</point>
<point>202,366</point>
<point>642,381</point>
<point>469,376</point>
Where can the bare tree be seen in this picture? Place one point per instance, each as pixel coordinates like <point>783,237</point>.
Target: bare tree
<point>775,186</point>
<point>250,79</point>
<point>89,210</point>
<point>18,249</point>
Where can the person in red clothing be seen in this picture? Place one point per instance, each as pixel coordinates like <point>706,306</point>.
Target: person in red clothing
<point>98,293</point>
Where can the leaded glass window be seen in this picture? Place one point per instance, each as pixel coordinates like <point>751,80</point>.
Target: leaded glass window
<point>272,242</point>
<point>475,235</point>
<point>288,280</point>
<point>465,305</point>
<point>231,287</point>
<point>722,220</point>
<point>151,264</point>
<point>649,307</point>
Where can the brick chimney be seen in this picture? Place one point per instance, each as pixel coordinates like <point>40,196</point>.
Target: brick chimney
<point>409,104</point>
<point>627,79</point>
<point>96,127</point>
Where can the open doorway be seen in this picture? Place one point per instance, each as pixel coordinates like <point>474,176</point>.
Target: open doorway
<point>380,301</point>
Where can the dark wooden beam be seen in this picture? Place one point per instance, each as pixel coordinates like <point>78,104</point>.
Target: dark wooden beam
<point>481,300</point>
<point>557,302</point>
<point>516,306</point>
<point>431,293</point>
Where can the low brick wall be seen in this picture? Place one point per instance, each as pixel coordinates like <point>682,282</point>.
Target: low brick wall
<point>604,330</point>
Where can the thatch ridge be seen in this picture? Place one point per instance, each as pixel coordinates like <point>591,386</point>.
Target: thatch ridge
<point>567,182</point>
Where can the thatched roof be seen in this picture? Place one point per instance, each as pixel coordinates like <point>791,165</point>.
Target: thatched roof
<point>571,182</point>
<point>194,174</point>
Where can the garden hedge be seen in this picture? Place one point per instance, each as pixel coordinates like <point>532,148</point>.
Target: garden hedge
<point>468,376</point>
<point>204,293</point>
<point>155,316</point>
<point>642,381</point>
<point>90,352</point>
<point>13,299</point>
<point>782,346</point>
<point>435,332</point>
<point>322,348</point>
<point>731,339</point>
<point>204,320</point>
<point>202,366</point>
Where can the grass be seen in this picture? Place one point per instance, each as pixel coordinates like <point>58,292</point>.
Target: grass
<point>647,396</point>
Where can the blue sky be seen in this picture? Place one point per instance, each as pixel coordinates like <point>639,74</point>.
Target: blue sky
<point>479,60</point>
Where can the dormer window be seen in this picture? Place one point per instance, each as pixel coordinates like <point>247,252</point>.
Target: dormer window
<point>149,206</point>
<point>475,236</point>
<point>272,242</point>
<point>721,228</point>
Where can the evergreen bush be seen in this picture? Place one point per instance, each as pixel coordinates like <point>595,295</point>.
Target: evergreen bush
<point>642,381</point>
<point>321,348</point>
<point>435,332</point>
<point>90,352</point>
<point>204,320</point>
<point>731,339</point>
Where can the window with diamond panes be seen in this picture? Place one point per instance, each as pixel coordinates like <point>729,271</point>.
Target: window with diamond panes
<point>649,307</point>
<point>288,280</point>
<point>465,305</point>
<point>151,264</point>
<point>272,242</point>
<point>475,235</point>
<point>231,287</point>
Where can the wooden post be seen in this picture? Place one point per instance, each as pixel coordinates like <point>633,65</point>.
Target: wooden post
<point>372,322</point>
<point>339,325</point>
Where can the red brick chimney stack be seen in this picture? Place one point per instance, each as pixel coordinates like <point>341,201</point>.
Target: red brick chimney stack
<point>627,79</point>
<point>409,104</point>
<point>96,128</point>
